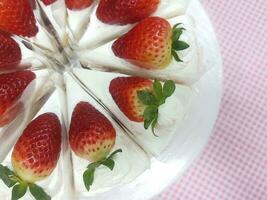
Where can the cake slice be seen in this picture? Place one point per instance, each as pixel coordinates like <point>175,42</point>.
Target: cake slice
<point>118,94</point>
<point>41,155</point>
<point>152,58</point>
<point>103,28</point>
<point>125,170</point>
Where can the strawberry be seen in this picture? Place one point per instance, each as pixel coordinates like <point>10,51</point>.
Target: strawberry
<point>151,44</point>
<point>10,53</point>
<point>124,12</point>
<point>12,86</point>
<point>17,17</point>
<point>139,98</point>
<point>92,137</point>
<point>78,4</point>
<point>48,2</point>
<point>37,151</point>
<point>34,156</point>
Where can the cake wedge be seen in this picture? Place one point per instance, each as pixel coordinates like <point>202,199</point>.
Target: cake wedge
<point>121,101</point>
<point>125,170</point>
<point>132,55</point>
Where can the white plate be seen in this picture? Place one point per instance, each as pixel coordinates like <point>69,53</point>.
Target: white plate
<point>196,129</point>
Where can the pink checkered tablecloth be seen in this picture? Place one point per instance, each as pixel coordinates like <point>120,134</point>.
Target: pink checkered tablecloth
<point>233,165</point>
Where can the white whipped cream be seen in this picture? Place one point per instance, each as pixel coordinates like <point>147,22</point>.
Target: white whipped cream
<point>187,71</point>
<point>78,21</point>
<point>98,83</point>
<point>99,33</point>
<point>171,111</point>
<point>58,184</point>
<point>126,168</point>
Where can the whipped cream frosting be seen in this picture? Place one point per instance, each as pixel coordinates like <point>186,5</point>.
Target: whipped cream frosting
<point>126,168</point>
<point>58,184</point>
<point>169,115</point>
<point>78,21</point>
<point>186,72</point>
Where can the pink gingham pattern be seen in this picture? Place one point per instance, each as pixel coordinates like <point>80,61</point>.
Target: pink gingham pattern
<point>233,165</point>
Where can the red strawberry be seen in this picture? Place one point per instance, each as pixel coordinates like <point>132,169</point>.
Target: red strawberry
<point>34,157</point>
<point>139,99</point>
<point>48,2</point>
<point>10,53</point>
<point>12,86</point>
<point>78,4</point>
<point>17,17</point>
<point>37,151</point>
<point>92,137</point>
<point>124,91</point>
<point>150,44</point>
<point>125,11</point>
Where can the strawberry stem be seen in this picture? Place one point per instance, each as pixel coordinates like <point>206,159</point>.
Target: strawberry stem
<point>177,44</point>
<point>88,175</point>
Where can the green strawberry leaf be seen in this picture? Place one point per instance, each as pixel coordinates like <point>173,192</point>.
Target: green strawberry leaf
<point>176,25</point>
<point>5,176</point>
<point>88,177</point>
<point>154,125</point>
<point>147,123</point>
<point>7,170</point>
<point>157,87</point>
<point>19,191</point>
<point>146,97</point>
<point>114,153</point>
<point>38,193</point>
<point>177,34</point>
<point>109,163</point>
<point>93,165</point>
<point>150,114</point>
<point>176,57</point>
<point>168,88</point>
<point>179,45</point>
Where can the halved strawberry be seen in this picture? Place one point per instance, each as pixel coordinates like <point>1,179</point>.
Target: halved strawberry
<point>10,53</point>
<point>12,86</point>
<point>34,156</point>
<point>92,137</point>
<point>48,2</point>
<point>78,4</point>
<point>17,17</point>
<point>125,11</point>
<point>151,44</point>
<point>139,98</point>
